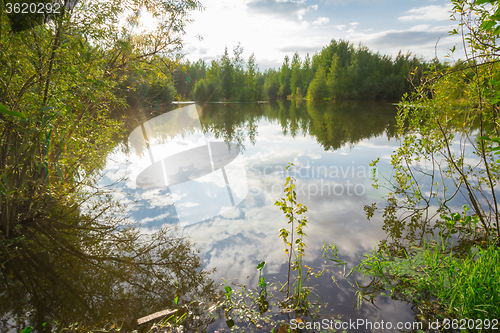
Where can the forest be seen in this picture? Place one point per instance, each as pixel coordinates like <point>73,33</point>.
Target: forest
<point>338,71</point>
<point>74,85</point>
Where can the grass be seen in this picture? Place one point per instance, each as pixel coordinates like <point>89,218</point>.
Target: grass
<point>439,281</point>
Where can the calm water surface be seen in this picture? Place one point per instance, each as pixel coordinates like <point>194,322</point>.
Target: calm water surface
<point>222,195</point>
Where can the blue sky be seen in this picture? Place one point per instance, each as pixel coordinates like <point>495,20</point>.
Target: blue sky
<point>272,29</point>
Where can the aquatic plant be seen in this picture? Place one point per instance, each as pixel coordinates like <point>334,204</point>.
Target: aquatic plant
<point>442,282</point>
<point>250,307</point>
<point>295,247</point>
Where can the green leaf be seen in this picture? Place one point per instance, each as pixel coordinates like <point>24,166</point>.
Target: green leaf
<point>3,190</point>
<point>46,108</point>
<point>230,323</point>
<point>59,172</point>
<point>487,25</point>
<point>3,109</point>
<point>45,119</point>
<point>261,265</point>
<point>27,329</point>
<point>480,2</point>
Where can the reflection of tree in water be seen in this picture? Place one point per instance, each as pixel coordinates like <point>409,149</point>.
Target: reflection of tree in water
<point>233,122</point>
<point>338,124</point>
<point>92,269</point>
<point>333,124</point>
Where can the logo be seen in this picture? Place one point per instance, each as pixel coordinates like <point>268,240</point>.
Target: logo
<point>205,176</point>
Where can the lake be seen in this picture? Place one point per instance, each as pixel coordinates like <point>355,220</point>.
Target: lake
<point>216,171</point>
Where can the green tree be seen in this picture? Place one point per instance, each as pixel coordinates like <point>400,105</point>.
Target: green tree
<point>296,76</point>
<point>318,89</point>
<point>227,76</point>
<point>307,73</point>
<point>251,83</point>
<point>335,78</point>
<point>271,84</point>
<point>205,90</point>
<point>284,78</point>
<point>64,252</point>
<point>239,90</point>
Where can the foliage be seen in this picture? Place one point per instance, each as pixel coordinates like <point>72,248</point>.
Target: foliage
<point>439,281</point>
<point>357,73</point>
<point>224,79</point>
<point>339,71</point>
<point>284,78</point>
<point>205,91</point>
<point>66,252</point>
<point>148,84</point>
<point>271,85</point>
<point>249,307</point>
<point>318,89</point>
<point>185,78</point>
<point>292,210</point>
<point>449,129</point>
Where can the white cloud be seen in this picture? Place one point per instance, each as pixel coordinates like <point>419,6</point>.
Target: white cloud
<point>321,20</point>
<point>420,27</point>
<point>436,13</point>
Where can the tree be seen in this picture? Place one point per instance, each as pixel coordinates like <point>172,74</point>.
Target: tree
<point>205,90</point>
<point>318,89</point>
<point>58,83</point>
<point>251,84</point>
<point>271,84</point>
<point>239,89</point>
<point>453,107</point>
<point>227,76</point>
<point>296,76</point>
<point>335,78</point>
<point>284,78</point>
<point>307,73</point>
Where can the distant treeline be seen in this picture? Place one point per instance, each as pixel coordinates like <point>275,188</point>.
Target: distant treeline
<point>338,71</point>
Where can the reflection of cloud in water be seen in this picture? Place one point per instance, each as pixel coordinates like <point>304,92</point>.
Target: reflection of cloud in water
<point>174,164</point>
<point>236,240</point>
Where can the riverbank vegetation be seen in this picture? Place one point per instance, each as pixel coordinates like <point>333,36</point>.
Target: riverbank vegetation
<point>67,254</point>
<point>338,71</point>
<point>440,256</point>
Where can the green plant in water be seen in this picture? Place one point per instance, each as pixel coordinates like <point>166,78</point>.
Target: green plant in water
<point>252,306</point>
<point>440,281</point>
<point>295,247</point>
<point>263,302</point>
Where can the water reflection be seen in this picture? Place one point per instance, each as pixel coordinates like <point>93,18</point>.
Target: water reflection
<point>97,271</point>
<point>204,177</point>
<point>331,145</point>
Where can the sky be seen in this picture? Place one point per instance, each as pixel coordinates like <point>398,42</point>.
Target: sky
<point>272,29</point>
